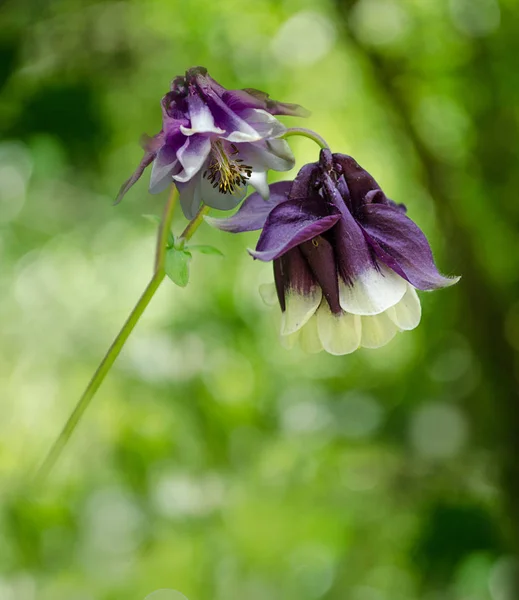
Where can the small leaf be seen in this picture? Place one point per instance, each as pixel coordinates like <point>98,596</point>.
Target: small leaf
<point>155,219</point>
<point>177,266</point>
<point>205,249</point>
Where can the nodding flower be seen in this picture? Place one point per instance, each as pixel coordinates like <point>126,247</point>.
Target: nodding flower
<point>214,142</point>
<point>347,260</point>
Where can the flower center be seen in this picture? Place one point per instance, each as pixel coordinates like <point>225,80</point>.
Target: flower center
<point>226,172</point>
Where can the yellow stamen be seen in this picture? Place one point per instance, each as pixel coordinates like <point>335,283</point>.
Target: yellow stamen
<point>224,172</point>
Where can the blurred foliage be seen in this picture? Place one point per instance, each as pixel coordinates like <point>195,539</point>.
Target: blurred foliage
<point>213,461</point>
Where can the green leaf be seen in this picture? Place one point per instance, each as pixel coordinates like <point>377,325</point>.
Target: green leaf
<point>205,249</point>
<point>155,219</point>
<point>177,266</point>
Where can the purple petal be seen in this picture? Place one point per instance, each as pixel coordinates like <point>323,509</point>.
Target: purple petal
<point>202,120</point>
<point>353,253</point>
<point>402,246</point>
<point>303,183</point>
<point>240,100</point>
<point>146,160</point>
<point>235,128</point>
<point>293,222</point>
<point>278,108</point>
<point>254,211</point>
<point>321,259</point>
<point>359,181</point>
<point>164,166</point>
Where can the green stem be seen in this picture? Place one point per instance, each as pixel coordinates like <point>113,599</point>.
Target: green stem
<point>117,346</point>
<point>193,225</point>
<point>308,133</point>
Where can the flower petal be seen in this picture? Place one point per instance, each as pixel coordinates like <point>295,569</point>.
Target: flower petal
<point>354,255</point>
<point>299,308</point>
<point>258,180</point>
<point>263,122</point>
<point>359,181</point>
<point>190,196</point>
<point>377,330</point>
<point>293,222</point>
<point>402,246</point>
<point>309,337</point>
<point>267,154</point>
<point>192,156</point>
<point>146,160</point>
<point>162,170</point>
<point>235,129</point>
<point>372,292</point>
<point>251,98</point>
<point>202,120</point>
<point>339,333</point>
<point>221,201</point>
<point>254,211</point>
<point>406,314</point>
<point>300,293</point>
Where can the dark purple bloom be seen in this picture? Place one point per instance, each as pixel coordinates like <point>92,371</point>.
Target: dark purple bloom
<point>347,260</point>
<point>214,142</point>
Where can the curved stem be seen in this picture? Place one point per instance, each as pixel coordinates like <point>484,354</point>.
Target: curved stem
<point>117,345</point>
<point>308,133</point>
<point>193,225</point>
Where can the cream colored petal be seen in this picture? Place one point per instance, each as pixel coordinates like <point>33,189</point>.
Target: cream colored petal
<point>289,341</point>
<point>299,309</point>
<point>309,337</point>
<point>268,294</point>
<point>377,330</point>
<point>407,313</point>
<point>339,334</point>
<point>373,291</point>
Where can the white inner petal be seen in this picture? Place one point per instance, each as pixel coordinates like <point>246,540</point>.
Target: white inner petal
<point>339,334</point>
<point>377,330</point>
<point>258,180</point>
<point>309,337</point>
<point>192,155</point>
<point>219,200</point>
<point>202,120</point>
<point>299,309</point>
<point>406,314</point>
<point>373,291</point>
<point>289,341</point>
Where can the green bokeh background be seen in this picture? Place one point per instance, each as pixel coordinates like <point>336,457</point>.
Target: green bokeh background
<point>213,461</point>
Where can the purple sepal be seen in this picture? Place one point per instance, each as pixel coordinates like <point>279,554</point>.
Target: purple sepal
<point>247,98</point>
<point>254,211</point>
<point>402,246</point>
<point>147,159</point>
<point>293,222</point>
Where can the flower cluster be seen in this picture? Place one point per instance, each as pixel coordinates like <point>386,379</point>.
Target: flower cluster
<point>347,260</point>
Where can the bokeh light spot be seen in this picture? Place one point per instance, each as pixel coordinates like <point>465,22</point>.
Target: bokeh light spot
<point>438,430</point>
<point>304,39</point>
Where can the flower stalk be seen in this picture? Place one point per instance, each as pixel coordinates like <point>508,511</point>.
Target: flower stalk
<point>308,133</point>
<point>119,342</point>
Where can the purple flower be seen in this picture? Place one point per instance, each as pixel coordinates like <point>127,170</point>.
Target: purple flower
<point>214,142</point>
<point>347,260</point>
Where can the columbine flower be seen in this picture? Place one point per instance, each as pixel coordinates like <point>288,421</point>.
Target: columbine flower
<point>214,142</point>
<point>347,260</point>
